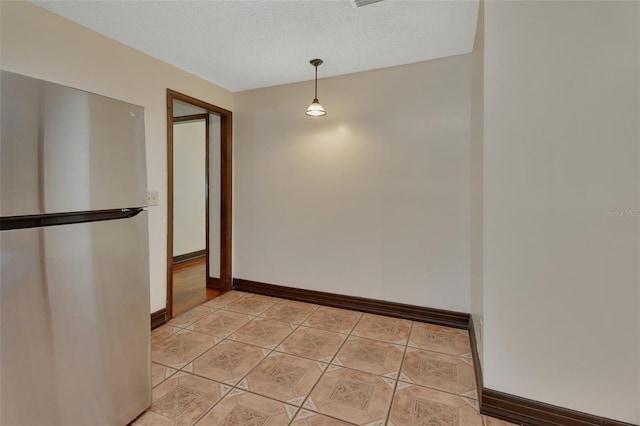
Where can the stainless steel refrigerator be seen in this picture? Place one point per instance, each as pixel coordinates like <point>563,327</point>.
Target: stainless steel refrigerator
<point>74,277</point>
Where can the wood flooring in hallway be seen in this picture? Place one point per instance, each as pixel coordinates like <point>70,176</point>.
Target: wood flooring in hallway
<point>189,285</point>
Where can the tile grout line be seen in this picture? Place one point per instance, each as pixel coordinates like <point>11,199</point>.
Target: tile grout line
<point>271,350</point>
<point>223,339</point>
<point>196,375</point>
<point>231,387</point>
<point>328,364</point>
<point>395,387</point>
<point>301,406</point>
<point>350,335</point>
<point>213,406</point>
<point>327,368</point>
<point>235,386</point>
<point>266,356</point>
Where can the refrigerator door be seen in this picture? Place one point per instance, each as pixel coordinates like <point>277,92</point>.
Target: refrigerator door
<point>75,324</point>
<point>66,150</point>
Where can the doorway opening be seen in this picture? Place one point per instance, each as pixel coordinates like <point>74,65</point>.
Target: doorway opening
<point>199,202</point>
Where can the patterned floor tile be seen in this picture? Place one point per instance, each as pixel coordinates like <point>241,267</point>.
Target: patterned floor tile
<point>191,316</point>
<point>184,398</point>
<point>392,330</point>
<point>159,373</point>
<point>351,395</point>
<point>437,338</point>
<point>439,371</point>
<point>491,421</point>
<point>252,304</point>
<point>307,342</point>
<point>371,356</point>
<point>163,332</point>
<point>309,418</point>
<point>415,405</point>
<point>263,332</point>
<point>149,418</point>
<point>241,408</point>
<point>221,323</point>
<point>332,319</point>
<point>227,362</point>
<point>436,383</point>
<point>181,348</point>
<point>288,311</point>
<point>224,299</point>
<point>284,377</point>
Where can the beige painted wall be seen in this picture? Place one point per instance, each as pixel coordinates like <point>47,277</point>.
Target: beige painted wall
<point>477,170</point>
<point>189,187</point>
<point>561,155</point>
<point>371,200</point>
<point>40,44</point>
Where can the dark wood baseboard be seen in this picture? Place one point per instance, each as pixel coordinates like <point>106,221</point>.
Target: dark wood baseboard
<point>477,367</point>
<point>214,283</point>
<point>534,413</point>
<point>158,318</point>
<point>189,256</point>
<point>372,306</point>
<point>525,411</point>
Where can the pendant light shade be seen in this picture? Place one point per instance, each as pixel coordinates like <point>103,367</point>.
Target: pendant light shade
<point>315,109</point>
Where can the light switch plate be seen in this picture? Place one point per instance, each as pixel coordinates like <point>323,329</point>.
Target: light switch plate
<point>152,198</point>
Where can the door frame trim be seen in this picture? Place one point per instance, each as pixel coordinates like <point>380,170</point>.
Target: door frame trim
<point>226,126</point>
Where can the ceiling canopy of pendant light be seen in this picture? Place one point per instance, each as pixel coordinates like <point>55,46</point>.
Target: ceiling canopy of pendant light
<point>315,109</point>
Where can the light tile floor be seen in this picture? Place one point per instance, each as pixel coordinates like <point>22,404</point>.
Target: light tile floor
<point>248,360</point>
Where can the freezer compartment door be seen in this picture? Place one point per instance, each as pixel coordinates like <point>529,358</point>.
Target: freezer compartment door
<point>74,330</point>
<point>67,150</point>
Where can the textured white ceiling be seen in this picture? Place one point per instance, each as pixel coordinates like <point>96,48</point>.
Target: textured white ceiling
<point>243,45</point>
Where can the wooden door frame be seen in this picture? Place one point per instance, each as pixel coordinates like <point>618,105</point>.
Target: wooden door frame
<point>226,125</point>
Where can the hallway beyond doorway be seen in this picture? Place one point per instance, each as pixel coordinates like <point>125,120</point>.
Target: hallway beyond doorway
<point>189,285</point>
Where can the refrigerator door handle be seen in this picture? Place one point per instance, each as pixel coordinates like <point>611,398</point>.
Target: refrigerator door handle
<point>37,221</point>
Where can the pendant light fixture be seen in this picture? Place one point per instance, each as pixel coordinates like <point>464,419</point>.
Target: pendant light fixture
<point>315,109</point>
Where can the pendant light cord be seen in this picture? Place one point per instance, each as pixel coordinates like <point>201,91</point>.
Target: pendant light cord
<point>316,92</point>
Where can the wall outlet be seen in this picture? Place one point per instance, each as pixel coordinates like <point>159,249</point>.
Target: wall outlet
<point>152,198</point>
